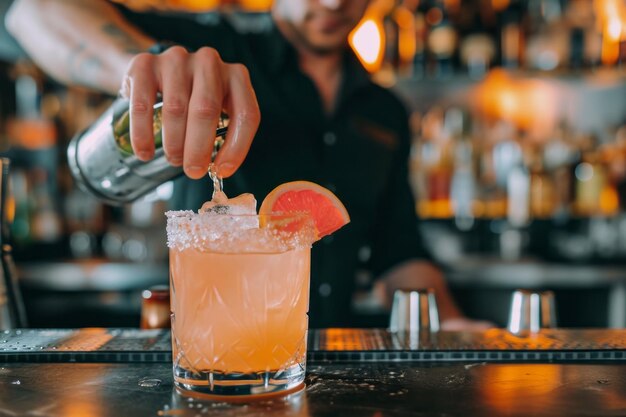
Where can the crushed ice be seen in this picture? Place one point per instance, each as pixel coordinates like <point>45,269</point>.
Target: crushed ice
<point>232,226</point>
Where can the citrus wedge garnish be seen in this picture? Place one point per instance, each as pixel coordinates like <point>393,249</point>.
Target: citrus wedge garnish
<point>327,212</point>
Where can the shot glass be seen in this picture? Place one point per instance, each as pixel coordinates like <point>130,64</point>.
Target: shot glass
<point>531,311</point>
<point>414,311</point>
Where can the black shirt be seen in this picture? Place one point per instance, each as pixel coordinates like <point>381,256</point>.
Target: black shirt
<point>360,152</point>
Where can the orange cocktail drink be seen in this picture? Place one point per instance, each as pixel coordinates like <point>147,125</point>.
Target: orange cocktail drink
<point>239,298</point>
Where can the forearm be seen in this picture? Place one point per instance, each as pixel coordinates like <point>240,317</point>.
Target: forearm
<point>77,42</point>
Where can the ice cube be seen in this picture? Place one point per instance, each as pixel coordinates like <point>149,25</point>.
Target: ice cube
<point>244,204</point>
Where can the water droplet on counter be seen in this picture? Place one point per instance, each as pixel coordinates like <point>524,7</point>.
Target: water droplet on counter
<point>149,382</point>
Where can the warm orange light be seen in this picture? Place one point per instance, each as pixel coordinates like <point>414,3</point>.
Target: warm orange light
<point>434,16</point>
<point>614,29</point>
<point>511,385</point>
<point>255,5</point>
<point>178,5</point>
<point>406,36</point>
<point>452,6</point>
<point>609,201</point>
<point>500,5</point>
<point>526,103</point>
<point>197,5</point>
<point>368,42</point>
<point>611,22</point>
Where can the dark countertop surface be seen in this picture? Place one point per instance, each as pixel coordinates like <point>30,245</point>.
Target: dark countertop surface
<point>99,372</point>
<point>366,389</point>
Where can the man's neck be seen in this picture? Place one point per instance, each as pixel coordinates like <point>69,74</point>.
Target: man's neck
<point>324,69</point>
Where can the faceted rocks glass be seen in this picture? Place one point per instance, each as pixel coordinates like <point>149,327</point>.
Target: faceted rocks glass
<point>239,298</point>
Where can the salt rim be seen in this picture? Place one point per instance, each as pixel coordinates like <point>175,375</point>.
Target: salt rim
<point>231,233</point>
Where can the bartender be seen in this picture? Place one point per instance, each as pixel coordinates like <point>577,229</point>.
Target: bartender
<point>301,107</point>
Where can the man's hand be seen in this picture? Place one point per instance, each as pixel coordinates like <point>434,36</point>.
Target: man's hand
<point>196,88</point>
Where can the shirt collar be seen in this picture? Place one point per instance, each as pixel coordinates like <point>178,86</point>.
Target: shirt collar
<point>283,54</point>
<point>354,77</point>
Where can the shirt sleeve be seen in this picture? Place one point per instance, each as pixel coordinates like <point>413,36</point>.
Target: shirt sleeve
<point>396,233</point>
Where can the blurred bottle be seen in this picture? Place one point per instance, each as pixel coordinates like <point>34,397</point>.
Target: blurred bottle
<point>505,156</point>
<point>518,192</point>
<point>463,182</point>
<point>404,17</point>
<point>590,183</point>
<point>437,161</point>
<point>442,40</point>
<point>548,43</point>
<point>155,308</point>
<point>560,157</point>
<point>477,54</point>
<point>12,313</point>
<point>33,140</point>
<point>511,36</point>
<point>46,223</point>
<point>391,56</point>
<point>542,191</point>
<point>20,226</point>
<point>421,28</point>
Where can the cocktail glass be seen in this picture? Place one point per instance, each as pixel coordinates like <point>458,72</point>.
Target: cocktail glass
<point>239,298</point>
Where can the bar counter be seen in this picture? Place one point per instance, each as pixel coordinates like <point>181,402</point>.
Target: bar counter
<point>351,372</point>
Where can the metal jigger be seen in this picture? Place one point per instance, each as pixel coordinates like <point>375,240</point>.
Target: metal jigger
<point>414,310</point>
<point>531,311</point>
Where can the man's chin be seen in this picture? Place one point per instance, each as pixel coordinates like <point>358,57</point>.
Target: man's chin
<point>327,46</point>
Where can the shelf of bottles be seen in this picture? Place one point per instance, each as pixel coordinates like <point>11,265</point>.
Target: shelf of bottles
<point>441,38</point>
<point>51,218</point>
<point>492,159</point>
<point>519,121</point>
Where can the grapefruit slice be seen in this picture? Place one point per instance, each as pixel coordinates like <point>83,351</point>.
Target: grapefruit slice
<point>328,213</point>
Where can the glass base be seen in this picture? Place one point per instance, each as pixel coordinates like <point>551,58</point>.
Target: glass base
<point>224,386</point>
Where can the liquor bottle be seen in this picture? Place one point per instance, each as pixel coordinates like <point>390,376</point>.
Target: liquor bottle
<point>590,180</point>
<point>391,55</point>
<point>518,192</point>
<point>559,159</point>
<point>12,313</point>
<point>419,58</point>
<point>407,40</point>
<point>155,308</point>
<point>439,160</point>
<point>542,192</point>
<point>463,186</point>
<point>46,222</point>
<point>511,36</point>
<point>442,40</point>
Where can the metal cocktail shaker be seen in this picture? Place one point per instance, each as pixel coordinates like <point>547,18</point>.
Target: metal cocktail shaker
<point>102,161</point>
